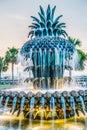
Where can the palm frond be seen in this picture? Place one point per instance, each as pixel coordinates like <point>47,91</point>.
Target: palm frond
<point>75,42</point>
<point>82,58</point>
<point>82,54</point>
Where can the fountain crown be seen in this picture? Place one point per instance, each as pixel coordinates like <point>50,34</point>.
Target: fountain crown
<point>46,25</point>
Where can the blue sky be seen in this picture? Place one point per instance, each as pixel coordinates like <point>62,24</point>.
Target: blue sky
<point>15,19</point>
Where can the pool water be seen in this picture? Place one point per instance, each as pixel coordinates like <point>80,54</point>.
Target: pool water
<point>11,122</point>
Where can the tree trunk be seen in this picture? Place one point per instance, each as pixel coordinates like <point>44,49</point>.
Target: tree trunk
<point>13,73</point>
<point>0,76</point>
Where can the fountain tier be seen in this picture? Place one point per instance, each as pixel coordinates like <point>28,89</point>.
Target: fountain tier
<point>47,54</point>
<point>56,105</point>
<point>50,57</point>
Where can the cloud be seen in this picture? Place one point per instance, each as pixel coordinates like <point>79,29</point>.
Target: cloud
<point>16,16</point>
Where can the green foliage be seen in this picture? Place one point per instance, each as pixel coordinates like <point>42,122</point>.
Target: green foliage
<point>46,25</point>
<point>81,54</point>
<point>82,57</point>
<point>3,64</point>
<point>75,42</point>
<point>11,55</point>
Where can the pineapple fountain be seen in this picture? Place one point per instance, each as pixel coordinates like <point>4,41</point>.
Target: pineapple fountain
<point>50,53</point>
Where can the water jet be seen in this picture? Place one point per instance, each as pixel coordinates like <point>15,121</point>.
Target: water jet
<point>46,55</point>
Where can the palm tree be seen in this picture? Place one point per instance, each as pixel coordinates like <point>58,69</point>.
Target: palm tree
<point>11,57</point>
<point>82,58</point>
<point>81,54</point>
<point>3,66</point>
<point>46,25</point>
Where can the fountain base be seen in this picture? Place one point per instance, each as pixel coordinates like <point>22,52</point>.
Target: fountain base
<point>46,106</point>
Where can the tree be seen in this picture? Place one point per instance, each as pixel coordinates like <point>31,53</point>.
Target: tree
<point>82,58</point>
<point>81,54</point>
<point>11,57</point>
<point>46,25</point>
<point>3,66</point>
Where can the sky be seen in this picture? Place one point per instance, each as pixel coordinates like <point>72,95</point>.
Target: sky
<point>15,19</point>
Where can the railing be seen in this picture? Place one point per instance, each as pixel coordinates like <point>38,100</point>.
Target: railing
<point>8,81</point>
<point>82,80</point>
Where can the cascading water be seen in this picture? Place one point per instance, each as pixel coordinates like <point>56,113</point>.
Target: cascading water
<point>52,103</point>
<point>63,106</point>
<point>52,106</point>
<point>1,98</point>
<point>6,102</point>
<point>50,58</point>
<point>21,106</point>
<point>32,103</point>
<point>72,103</point>
<point>45,57</point>
<point>14,104</point>
<point>83,105</point>
<point>32,100</point>
<point>42,102</point>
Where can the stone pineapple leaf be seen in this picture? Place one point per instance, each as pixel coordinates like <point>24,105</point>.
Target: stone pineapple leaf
<point>32,27</point>
<point>41,17</point>
<point>35,19</point>
<point>55,31</point>
<point>37,25</point>
<point>45,32</point>
<point>46,24</point>
<point>48,13</point>
<point>56,20</point>
<point>60,25</point>
<point>42,25</point>
<point>49,24</point>
<point>50,32</point>
<point>63,32</point>
<point>53,11</point>
<point>32,32</point>
<point>42,11</point>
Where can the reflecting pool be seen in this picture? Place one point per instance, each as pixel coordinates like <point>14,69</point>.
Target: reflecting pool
<point>9,122</point>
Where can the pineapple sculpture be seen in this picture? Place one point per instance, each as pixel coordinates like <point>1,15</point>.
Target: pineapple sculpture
<point>47,48</point>
<point>47,25</point>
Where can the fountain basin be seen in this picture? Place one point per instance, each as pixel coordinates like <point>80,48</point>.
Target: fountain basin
<point>46,106</point>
